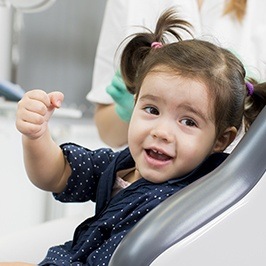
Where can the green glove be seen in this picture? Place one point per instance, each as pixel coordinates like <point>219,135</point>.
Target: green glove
<point>124,100</point>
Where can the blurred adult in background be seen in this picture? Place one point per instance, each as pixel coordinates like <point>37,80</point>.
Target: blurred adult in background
<point>238,25</point>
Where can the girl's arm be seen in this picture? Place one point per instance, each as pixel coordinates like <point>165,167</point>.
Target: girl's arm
<point>45,163</point>
<point>43,158</point>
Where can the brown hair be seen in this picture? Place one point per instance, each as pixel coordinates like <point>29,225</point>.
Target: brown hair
<point>236,7</point>
<point>218,68</point>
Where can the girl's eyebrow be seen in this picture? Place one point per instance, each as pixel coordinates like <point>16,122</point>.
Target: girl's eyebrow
<point>196,111</point>
<point>149,97</point>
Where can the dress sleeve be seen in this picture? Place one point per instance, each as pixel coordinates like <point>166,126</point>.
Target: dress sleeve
<point>87,167</point>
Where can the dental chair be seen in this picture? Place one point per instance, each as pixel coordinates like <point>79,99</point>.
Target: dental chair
<point>218,220</point>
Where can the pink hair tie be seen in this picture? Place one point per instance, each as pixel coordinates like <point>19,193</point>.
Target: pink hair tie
<point>250,88</point>
<point>156,45</point>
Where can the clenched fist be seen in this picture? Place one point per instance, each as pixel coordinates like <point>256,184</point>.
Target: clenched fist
<point>34,111</point>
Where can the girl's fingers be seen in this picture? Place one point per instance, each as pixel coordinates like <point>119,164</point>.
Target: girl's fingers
<point>56,98</point>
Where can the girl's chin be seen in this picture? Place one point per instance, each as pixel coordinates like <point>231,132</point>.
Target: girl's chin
<point>154,176</point>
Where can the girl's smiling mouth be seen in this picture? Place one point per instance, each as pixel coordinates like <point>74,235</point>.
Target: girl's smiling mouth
<point>157,158</point>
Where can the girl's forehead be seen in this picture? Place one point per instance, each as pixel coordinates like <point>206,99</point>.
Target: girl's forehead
<point>167,72</point>
<point>158,79</point>
<point>172,88</point>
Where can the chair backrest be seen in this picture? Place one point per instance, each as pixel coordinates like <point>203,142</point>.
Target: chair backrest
<point>199,203</point>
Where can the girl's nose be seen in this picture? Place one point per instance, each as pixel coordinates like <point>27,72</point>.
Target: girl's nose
<point>162,134</point>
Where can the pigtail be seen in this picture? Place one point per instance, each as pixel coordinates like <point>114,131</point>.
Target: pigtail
<point>140,46</point>
<point>254,103</point>
<point>133,55</point>
<point>167,24</point>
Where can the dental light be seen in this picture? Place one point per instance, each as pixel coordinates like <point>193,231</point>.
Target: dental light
<point>30,6</point>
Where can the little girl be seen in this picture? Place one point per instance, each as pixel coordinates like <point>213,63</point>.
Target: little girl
<point>191,98</point>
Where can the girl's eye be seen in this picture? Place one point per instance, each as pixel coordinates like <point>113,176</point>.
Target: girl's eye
<point>151,110</point>
<point>188,122</point>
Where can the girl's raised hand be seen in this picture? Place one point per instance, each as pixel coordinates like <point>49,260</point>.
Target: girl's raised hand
<point>34,111</point>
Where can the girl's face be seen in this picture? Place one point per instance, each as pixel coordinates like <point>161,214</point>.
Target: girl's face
<point>172,127</point>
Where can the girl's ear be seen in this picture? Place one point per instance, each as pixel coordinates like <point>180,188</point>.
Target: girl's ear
<point>225,139</point>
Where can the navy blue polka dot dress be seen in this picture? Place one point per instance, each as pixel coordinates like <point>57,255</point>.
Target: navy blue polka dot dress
<point>93,176</point>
